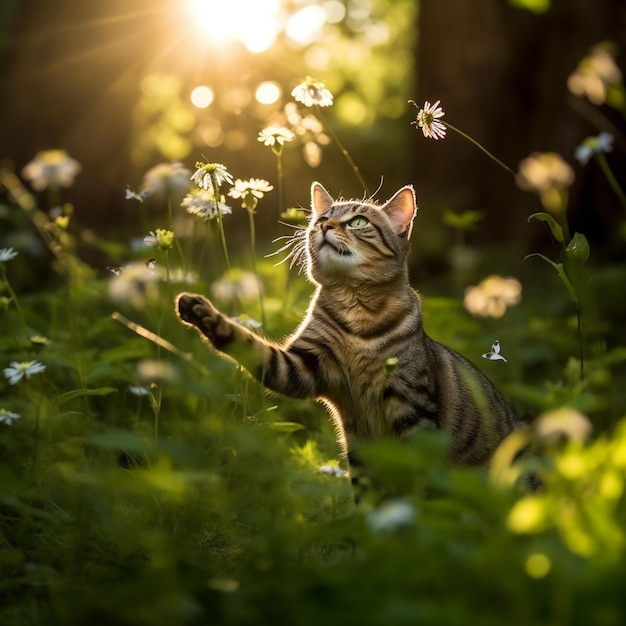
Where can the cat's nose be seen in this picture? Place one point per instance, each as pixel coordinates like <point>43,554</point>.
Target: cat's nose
<point>328,225</point>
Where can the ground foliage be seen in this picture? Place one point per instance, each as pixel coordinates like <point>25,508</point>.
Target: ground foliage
<point>146,480</point>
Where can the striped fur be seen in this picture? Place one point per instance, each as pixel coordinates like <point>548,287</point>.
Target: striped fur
<point>363,314</point>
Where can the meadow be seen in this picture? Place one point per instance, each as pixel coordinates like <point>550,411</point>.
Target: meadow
<point>146,480</point>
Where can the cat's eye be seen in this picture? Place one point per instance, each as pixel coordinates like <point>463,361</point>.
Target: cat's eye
<point>358,222</point>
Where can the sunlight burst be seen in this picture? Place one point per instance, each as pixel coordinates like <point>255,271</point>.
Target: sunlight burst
<point>255,23</point>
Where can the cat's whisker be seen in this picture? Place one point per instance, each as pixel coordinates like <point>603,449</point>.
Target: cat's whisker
<point>295,245</point>
<point>294,226</point>
<point>380,186</point>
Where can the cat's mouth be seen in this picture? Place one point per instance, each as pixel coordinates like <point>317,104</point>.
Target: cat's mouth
<point>340,249</point>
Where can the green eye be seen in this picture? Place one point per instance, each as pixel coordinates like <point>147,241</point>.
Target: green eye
<point>358,222</point>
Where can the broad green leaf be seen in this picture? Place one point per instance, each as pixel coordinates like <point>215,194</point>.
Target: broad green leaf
<point>77,393</point>
<point>286,427</point>
<point>119,440</point>
<point>555,228</point>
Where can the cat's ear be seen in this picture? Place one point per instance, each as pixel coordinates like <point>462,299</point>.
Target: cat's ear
<point>320,198</point>
<point>401,209</point>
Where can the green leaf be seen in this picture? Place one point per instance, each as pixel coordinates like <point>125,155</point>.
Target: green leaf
<point>578,248</point>
<point>77,393</point>
<point>555,228</point>
<point>560,270</point>
<point>285,427</point>
<point>464,220</point>
<point>120,440</point>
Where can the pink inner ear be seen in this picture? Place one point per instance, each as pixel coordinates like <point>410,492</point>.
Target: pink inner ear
<point>321,200</point>
<point>401,209</point>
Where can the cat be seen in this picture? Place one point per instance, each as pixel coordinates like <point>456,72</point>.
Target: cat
<point>362,349</point>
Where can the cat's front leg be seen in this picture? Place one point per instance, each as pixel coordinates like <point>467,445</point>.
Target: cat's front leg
<point>290,371</point>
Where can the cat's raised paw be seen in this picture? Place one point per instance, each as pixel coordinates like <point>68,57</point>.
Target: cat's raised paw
<point>197,311</point>
<point>191,308</point>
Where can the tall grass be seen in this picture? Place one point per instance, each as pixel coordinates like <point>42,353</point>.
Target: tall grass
<point>146,480</point>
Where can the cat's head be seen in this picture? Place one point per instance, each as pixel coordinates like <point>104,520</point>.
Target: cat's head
<point>359,241</point>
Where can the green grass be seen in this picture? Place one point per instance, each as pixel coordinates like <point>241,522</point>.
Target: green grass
<point>149,481</point>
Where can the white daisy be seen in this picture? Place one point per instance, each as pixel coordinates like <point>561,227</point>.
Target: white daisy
<point>492,296</point>
<point>151,240</point>
<point>6,254</point>
<point>275,136</point>
<point>208,173</point>
<point>544,172</point>
<point>16,371</point>
<point>136,284</point>
<point>391,515</point>
<point>51,168</point>
<point>202,204</point>
<point>165,180</point>
<point>332,470</point>
<point>258,187</point>
<point>8,417</point>
<point>236,284</point>
<point>247,321</point>
<point>428,120</point>
<point>593,145</point>
<point>311,92</point>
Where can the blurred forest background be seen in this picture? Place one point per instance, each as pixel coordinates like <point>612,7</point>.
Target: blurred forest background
<point>111,83</point>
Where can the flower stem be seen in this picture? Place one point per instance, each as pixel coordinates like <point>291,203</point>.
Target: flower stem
<point>168,273</point>
<point>220,221</point>
<point>254,268</point>
<point>176,239</point>
<point>619,192</point>
<point>156,410</point>
<point>580,342</point>
<point>478,145</point>
<point>343,151</point>
<point>281,184</point>
<point>13,295</point>
<point>35,458</point>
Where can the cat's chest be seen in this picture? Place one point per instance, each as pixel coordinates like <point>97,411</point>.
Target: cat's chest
<point>358,372</point>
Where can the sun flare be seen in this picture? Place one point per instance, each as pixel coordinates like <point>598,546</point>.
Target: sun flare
<point>254,23</point>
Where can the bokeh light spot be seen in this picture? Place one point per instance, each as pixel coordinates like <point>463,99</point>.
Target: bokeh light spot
<point>267,92</point>
<point>538,565</point>
<point>202,97</point>
<point>211,133</point>
<point>305,26</point>
<point>351,109</point>
<point>335,11</point>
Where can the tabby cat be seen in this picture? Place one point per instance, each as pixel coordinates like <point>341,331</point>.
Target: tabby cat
<point>363,317</point>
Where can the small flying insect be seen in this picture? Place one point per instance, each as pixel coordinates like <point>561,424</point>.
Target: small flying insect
<point>117,270</point>
<point>129,194</point>
<point>494,354</point>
